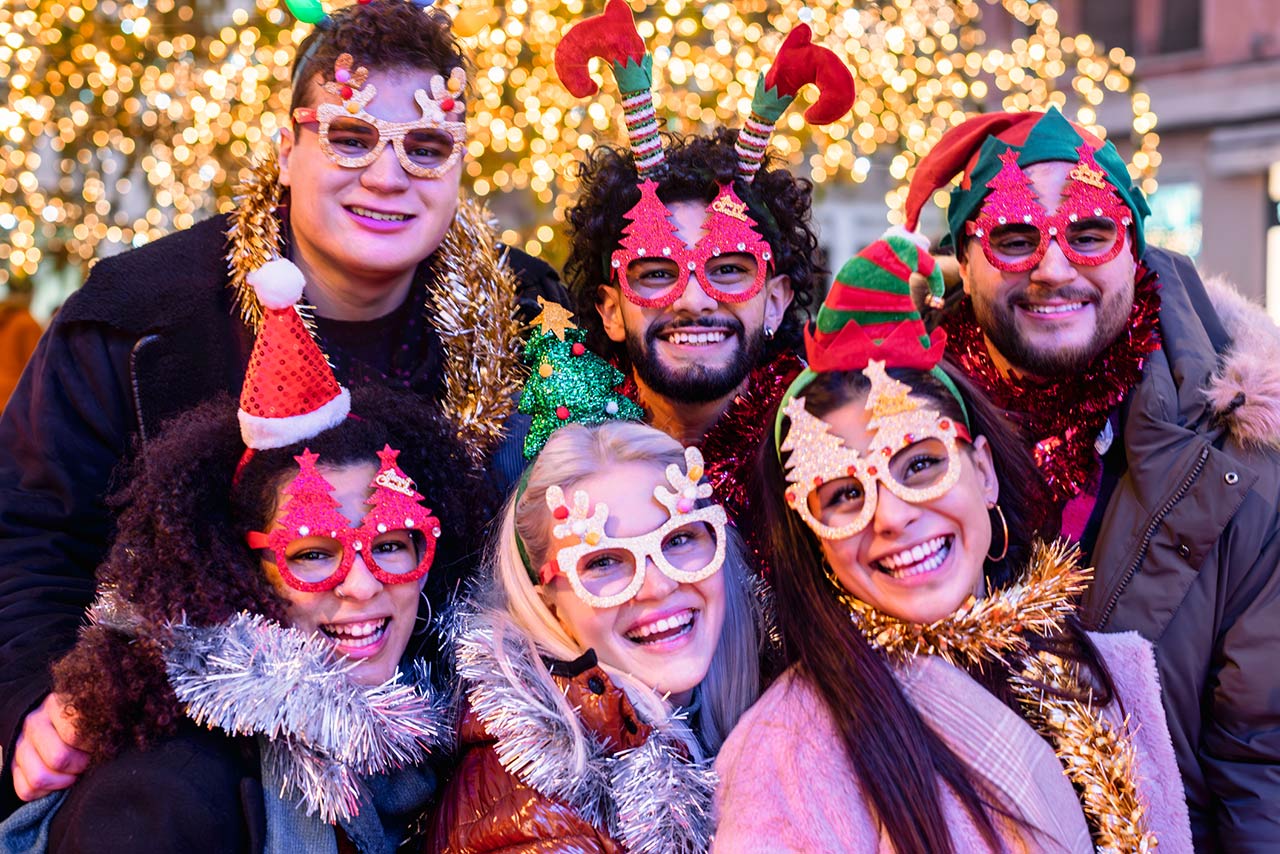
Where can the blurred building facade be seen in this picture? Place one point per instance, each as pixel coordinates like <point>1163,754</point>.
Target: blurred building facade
<point>1212,70</point>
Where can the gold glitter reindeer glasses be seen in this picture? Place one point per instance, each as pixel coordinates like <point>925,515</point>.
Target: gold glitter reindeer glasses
<point>607,571</point>
<point>351,137</point>
<point>914,454</point>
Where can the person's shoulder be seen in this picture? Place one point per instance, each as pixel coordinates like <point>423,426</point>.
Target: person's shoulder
<point>792,706</point>
<point>170,275</point>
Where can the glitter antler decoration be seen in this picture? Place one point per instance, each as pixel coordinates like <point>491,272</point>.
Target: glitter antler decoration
<point>612,36</point>
<point>580,520</point>
<point>799,63</point>
<point>686,489</point>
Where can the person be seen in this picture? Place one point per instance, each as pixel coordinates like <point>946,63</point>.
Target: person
<point>19,333</point>
<point>941,695</point>
<point>611,645</point>
<point>407,286</point>
<point>692,260</point>
<point>249,681</point>
<point>1148,400</point>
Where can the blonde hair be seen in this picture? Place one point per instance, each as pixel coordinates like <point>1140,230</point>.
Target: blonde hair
<point>572,454</point>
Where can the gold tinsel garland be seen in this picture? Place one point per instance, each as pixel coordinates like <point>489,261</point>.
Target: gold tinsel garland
<point>470,301</point>
<point>1098,759</point>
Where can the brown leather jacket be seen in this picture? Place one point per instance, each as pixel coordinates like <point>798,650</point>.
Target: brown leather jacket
<point>486,808</point>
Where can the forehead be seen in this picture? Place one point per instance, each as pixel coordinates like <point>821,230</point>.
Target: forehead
<point>688,217</point>
<point>628,490</point>
<point>1049,181</point>
<point>351,486</point>
<point>396,88</point>
<point>849,421</point>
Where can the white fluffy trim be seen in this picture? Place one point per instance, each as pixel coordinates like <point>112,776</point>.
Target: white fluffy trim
<point>262,433</point>
<point>278,283</point>
<point>914,236</point>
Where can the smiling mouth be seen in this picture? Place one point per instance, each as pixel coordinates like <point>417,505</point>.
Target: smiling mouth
<point>701,338</point>
<point>1059,308</point>
<point>917,560</point>
<point>379,215</point>
<point>357,635</point>
<point>665,629</point>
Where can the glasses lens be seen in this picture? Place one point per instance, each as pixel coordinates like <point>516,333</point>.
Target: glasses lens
<point>1013,243</point>
<point>607,572</point>
<point>690,548</point>
<point>920,465</point>
<point>652,278</point>
<point>1093,237</point>
<point>428,148</point>
<point>732,273</point>
<point>839,502</point>
<point>398,552</point>
<point>350,137</point>
<point>313,559</point>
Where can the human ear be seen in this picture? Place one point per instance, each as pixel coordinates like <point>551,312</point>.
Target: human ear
<point>286,149</point>
<point>778,296</point>
<point>609,304</point>
<point>984,465</point>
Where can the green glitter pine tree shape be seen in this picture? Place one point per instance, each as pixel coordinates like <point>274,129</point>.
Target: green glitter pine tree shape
<point>568,383</point>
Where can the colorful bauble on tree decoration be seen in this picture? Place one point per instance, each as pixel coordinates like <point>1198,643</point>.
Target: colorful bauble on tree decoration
<point>568,382</point>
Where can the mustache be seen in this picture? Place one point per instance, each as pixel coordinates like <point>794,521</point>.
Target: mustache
<point>730,325</point>
<point>1067,293</point>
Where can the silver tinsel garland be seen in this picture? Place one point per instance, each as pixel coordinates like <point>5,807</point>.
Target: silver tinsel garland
<point>651,799</point>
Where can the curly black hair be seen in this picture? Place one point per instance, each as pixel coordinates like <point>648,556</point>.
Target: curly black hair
<point>180,549</point>
<point>381,35</point>
<point>695,169</point>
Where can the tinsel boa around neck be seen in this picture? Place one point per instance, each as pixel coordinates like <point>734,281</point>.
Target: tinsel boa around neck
<point>652,800</point>
<point>321,730</point>
<point>1063,416</point>
<point>1098,757</point>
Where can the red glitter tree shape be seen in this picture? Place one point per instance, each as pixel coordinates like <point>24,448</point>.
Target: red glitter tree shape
<point>312,510</point>
<point>1012,200</point>
<point>649,231</point>
<point>1088,193</point>
<point>396,501</point>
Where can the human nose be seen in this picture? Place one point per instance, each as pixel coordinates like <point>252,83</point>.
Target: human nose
<point>893,514</point>
<point>695,300</point>
<point>386,173</point>
<point>361,584</point>
<point>657,586</point>
<point>1054,268</point>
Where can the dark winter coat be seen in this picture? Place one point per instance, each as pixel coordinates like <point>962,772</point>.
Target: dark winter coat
<point>152,333</point>
<point>1189,547</point>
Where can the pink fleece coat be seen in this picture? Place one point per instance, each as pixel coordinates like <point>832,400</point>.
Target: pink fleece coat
<point>786,785</point>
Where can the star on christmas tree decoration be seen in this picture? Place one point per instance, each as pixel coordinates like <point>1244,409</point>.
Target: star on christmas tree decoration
<point>554,318</point>
<point>888,397</point>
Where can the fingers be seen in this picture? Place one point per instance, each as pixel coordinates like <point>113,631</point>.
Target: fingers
<point>43,760</point>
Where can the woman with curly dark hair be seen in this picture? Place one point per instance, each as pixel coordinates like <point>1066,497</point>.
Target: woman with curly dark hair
<point>258,622</point>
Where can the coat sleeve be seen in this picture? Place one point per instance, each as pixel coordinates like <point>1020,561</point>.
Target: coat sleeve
<point>1240,738</point>
<point>61,436</point>
<point>536,278</point>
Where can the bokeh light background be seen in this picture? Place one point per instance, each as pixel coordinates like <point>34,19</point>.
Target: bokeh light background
<point>122,120</point>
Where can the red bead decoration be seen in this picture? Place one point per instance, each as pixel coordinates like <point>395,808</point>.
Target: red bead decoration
<point>561,512</point>
<point>562,412</point>
<point>578,349</point>
<point>346,92</point>
<point>852,471</point>
<point>817,481</point>
<point>447,104</point>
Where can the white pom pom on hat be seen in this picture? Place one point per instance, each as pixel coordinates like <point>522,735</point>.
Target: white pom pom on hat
<point>907,234</point>
<point>278,283</point>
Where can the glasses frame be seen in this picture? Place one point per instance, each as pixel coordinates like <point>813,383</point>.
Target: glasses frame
<point>395,132</point>
<point>354,541</point>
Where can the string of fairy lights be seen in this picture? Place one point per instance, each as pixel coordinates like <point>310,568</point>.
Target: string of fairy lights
<point>122,120</point>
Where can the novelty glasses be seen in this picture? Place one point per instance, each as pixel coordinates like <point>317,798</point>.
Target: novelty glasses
<point>426,148</point>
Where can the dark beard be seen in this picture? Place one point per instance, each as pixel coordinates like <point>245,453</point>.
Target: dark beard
<point>697,384</point>
<point>999,325</point>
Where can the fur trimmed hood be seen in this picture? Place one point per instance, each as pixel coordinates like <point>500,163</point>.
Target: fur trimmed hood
<point>1244,392</point>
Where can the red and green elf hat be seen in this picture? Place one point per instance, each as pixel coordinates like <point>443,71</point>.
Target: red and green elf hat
<point>869,315</point>
<point>972,149</point>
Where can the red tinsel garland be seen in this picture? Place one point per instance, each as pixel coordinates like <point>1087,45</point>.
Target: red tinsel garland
<point>1063,416</point>
<point>730,446</point>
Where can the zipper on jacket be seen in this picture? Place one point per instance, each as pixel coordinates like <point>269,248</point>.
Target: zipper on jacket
<point>1151,532</point>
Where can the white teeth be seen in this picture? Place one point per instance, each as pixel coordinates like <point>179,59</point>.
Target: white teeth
<point>675,621</point>
<point>357,635</point>
<point>1055,309</point>
<point>714,336</point>
<point>921,558</point>
<point>385,217</point>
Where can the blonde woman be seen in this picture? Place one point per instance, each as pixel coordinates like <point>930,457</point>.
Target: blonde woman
<point>611,652</point>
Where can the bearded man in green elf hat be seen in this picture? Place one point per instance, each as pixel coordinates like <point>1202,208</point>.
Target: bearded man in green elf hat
<point>1152,405</point>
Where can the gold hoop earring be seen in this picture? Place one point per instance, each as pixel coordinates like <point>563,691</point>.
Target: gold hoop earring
<point>1005,525</point>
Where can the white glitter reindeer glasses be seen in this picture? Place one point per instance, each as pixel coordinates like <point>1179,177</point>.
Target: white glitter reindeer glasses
<point>607,571</point>
<point>914,453</point>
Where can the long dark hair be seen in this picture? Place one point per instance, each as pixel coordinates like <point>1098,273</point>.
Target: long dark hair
<point>897,756</point>
<point>180,550</point>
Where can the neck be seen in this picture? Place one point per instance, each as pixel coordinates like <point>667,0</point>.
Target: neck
<point>341,294</point>
<point>685,422</point>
